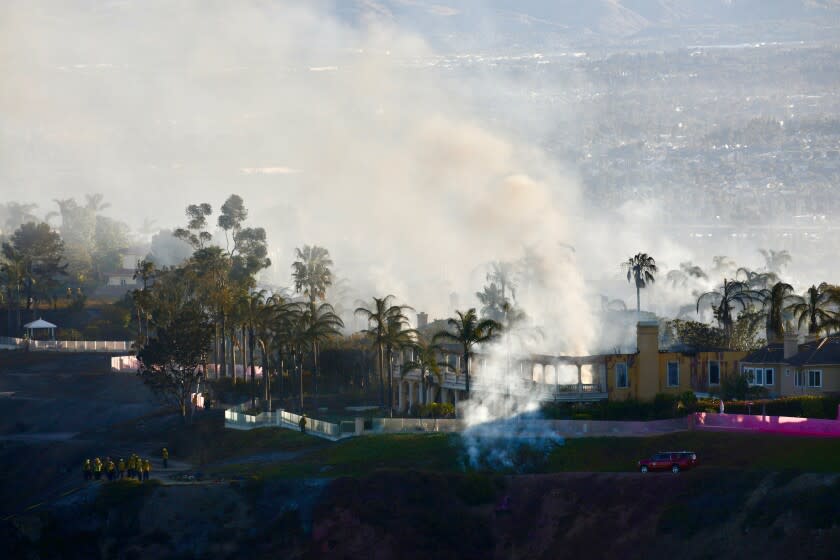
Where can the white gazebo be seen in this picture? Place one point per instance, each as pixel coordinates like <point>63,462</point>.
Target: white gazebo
<point>39,325</point>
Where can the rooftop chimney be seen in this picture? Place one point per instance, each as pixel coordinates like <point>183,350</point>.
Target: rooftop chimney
<point>791,344</point>
<point>647,339</point>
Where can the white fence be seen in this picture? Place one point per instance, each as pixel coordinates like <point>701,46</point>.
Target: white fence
<point>395,425</point>
<point>238,419</point>
<point>125,363</point>
<point>216,369</point>
<point>67,345</point>
<point>316,427</point>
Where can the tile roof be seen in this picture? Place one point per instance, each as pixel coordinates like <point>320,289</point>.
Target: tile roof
<point>771,354</point>
<point>824,351</point>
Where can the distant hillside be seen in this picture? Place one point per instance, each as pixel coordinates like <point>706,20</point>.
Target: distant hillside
<point>611,19</point>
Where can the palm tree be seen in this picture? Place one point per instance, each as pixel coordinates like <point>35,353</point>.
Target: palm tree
<point>608,304</point>
<point>468,331</point>
<point>382,317</point>
<point>146,271</point>
<point>757,280</point>
<point>95,202</point>
<point>725,300</point>
<point>815,308</point>
<point>13,270</point>
<point>425,360</point>
<point>256,318</point>
<point>722,264</point>
<point>502,275</point>
<point>398,337</point>
<point>311,272</point>
<point>285,319</point>
<point>642,269</point>
<point>775,260</point>
<point>775,301</point>
<point>492,300</point>
<point>15,214</point>
<point>320,324</point>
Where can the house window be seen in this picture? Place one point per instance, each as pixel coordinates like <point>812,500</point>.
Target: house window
<point>759,377</point>
<point>621,381</point>
<point>749,373</point>
<point>800,379</point>
<point>769,376</point>
<point>814,378</point>
<point>673,374</point>
<point>714,372</point>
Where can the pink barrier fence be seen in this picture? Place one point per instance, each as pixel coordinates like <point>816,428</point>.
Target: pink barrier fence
<point>770,424</point>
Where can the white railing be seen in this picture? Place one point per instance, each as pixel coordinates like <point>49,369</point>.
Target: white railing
<point>314,426</point>
<point>68,345</point>
<point>238,418</point>
<point>392,425</point>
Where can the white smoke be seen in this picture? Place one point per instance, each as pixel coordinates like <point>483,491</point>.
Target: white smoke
<point>502,418</point>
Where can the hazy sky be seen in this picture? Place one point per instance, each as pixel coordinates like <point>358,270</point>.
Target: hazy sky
<point>333,134</point>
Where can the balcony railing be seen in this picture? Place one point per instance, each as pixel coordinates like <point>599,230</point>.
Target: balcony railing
<point>67,345</point>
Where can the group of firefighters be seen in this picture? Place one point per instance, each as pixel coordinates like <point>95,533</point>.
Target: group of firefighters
<point>134,467</point>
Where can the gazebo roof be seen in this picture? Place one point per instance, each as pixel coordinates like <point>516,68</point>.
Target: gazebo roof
<point>39,324</point>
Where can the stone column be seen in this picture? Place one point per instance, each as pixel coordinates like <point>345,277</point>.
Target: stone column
<point>410,394</point>
<point>580,383</point>
<point>444,397</point>
<point>603,377</point>
<point>401,405</point>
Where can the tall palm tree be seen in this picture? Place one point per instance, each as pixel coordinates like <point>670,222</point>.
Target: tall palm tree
<point>724,301</point>
<point>311,272</point>
<point>256,318</point>
<point>492,301</point>
<point>283,334</point>
<point>95,202</point>
<point>641,268</point>
<point>815,308</point>
<point>774,302</point>
<point>425,361</point>
<point>382,317</point>
<point>756,280</point>
<point>398,337</point>
<point>502,274</point>
<point>775,260</point>
<point>14,214</point>
<point>467,331</point>
<point>13,271</point>
<point>320,324</point>
<point>722,264</point>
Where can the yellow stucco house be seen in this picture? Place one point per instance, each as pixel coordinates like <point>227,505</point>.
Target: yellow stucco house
<point>650,370</point>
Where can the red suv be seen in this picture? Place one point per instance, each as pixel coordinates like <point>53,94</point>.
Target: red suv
<point>674,461</point>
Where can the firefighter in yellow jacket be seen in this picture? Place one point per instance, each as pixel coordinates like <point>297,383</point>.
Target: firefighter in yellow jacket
<point>165,455</point>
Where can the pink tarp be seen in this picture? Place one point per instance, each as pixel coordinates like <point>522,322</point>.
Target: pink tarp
<point>770,424</point>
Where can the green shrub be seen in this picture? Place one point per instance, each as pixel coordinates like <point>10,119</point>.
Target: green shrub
<point>437,410</point>
<point>812,407</point>
<point>664,406</point>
